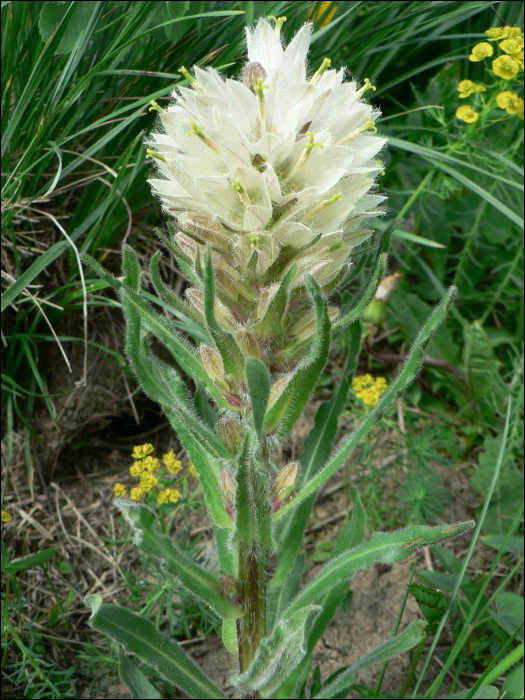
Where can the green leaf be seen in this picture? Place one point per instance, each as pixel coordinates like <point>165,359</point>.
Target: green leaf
<point>139,636</point>
<point>29,561</point>
<point>484,692</point>
<point>513,685</point>
<point>177,10</point>
<point>397,645</point>
<point>271,322</point>
<point>259,388</point>
<point>163,290</point>
<point>408,373</point>
<point>510,613</point>
<point>203,408</point>
<point>431,602</point>
<point>481,370</point>
<point>280,653</point>
<point>348,316</point>
<point>53,13</point>
<point>316,451</point>
<point>173,561</point>
<point>232,357</point>
<point>383,548</point>
<point>279,598</point>
<point>281,417</point>
<point>229,636</point>
<point>130,268</point>
<point>514,544</point>
<point>137,683</point>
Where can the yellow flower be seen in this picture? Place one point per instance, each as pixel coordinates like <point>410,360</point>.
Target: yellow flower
<point>505,67</point>
<point>192,469</point>
<point>119,489</point>
<point>151,464</point>
<point>513,32</point>
<point>6,517</point>
<point>140,451</point>
<point>136,493</point>
<point>147,481</point>
<point>137,467</point>
<point>520,108</point>
<point>168,494</point>
<point>512,45</point>
<point>368,389</point>
<point>495,33</point>
<point>509,100</point>
<point>518,57</point>
<point>172,463</point>
<point>466,114</point>
<point>481,51</point>
<point>467,87</point>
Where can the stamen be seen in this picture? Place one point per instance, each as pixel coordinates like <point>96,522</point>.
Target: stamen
<point>319,207</point>
<point>258,89</point>
<point>317,76</point>
<point>155,107</point>
<point>304,155</point>
<point>279,21</point>
<point>367,86</point>
<point>254,240</point>
<point>191,80</point>
<point>199,131</point>
<point>154,154</point>
<point>369,124</point>
<point>242,192</point>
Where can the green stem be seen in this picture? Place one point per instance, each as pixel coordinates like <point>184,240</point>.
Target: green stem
<point>253,580</point>
<point>504,665</point>
<point>412,668</point>
<point>503,285</point>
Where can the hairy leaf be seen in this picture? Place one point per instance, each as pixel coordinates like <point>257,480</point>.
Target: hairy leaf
<point>259,388</point>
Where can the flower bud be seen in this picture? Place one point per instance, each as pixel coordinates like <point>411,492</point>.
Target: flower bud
<point>212,362</point>
<point>306,326</point>
<point>284,484</point>
<point>265,297</point>
<point>229,587</point>
<point>248,343</point>
<point>230,432</point>
<point>228,491</point>
<point>375,311</point>
<point>205,228</point>
<point>277,389</point>
<point>251,72</point>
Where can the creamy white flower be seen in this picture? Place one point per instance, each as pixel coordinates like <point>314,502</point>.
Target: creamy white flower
<point>280,164</point>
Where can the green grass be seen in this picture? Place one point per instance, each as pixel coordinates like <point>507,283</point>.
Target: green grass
<point>75,108</point>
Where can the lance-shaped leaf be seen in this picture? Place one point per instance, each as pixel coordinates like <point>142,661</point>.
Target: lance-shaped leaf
<point>397,645</point>
<point>316,451</point>
<point>347,316</point>
<point>162,329</point>
<point>182,260</point>
<point>259,388</point>
<point>232,357</point>
<point>279,653</point>
<point>253,521</point>
<point>228,556</point>
<point>139,636</point>
<point>168,294</point>
<point>102,272</point>
<point>163,384</point>
<point>271,323</point>
<point>279,598</point>
<point>281,417</point>
<point>131,275</point>
<point>407,374</point>
<point>173,561</point>
<point>381,548</point>
<point>136,681</point>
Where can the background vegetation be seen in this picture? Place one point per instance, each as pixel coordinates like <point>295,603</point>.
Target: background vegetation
<point>77,80</point>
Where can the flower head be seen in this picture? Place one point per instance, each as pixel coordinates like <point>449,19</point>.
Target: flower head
<point>509,100</point>
<point>466,114</point>
<point>173,465</point>
<point>6,517</point>
<point>136,493</point>
<point>193,471</point>
<point>140,451</point>
<point>151,464</point>
<point>505,67</point>
<point>481,51</point>
<point>147,481</point>
<point>512,46</point>
<point>368,389</point>
<point>272,172</point>
<point>467,87</point>
<point>119,489</point>
<point>495,33</point>
<point>518,57</point>
<point>137,468</point>
<point>168,495</point>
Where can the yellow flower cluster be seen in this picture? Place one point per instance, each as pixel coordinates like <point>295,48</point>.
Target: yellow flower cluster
<point>5,516</point>
<point>368,389</point>
<point>506,66</point>
<point>145,466</point>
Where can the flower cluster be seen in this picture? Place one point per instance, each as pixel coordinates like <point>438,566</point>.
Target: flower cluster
<point>506,66</point>
<point>6,517</point>
<point>368,389</point>
<point>147,467</point>
<point>273,174</point>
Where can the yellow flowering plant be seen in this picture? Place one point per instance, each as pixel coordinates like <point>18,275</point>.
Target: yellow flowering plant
<point>268,182</point>
<point>505,68</point>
